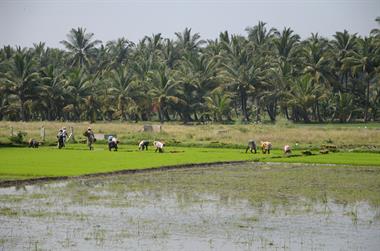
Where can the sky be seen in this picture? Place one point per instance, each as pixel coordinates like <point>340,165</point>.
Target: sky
<point>24,22</point>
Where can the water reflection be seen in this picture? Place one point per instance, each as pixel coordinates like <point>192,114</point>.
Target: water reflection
<point>225,208</point>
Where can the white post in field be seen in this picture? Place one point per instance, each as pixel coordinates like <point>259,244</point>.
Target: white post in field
<point>71,134</point>
<point>42,133</point>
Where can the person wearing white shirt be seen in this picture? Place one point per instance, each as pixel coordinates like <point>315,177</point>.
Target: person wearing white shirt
<point>159,146</point>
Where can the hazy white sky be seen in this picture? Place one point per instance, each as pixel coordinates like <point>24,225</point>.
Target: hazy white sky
<point>24,22</point>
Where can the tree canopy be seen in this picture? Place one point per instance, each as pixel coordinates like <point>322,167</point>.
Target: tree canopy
<point>266,74</point>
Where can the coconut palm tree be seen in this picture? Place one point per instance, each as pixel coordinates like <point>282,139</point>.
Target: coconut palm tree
<point>303,96</point>
<point>365,60</point>
<point>79,86</point>
<point>164,92</point>
<point>260,37</point>
<point>170,53</point>
<point>286,44</point>
<point>376,32</point>
<point>344,107</point>
<point>21,79</point>
<point>317,64</point>
<point>119,51</point>
<point>150,49</point>
<point>343,44</point>
<point>81,46</point>
<point>375,100</point>
<point>124,89</point>
<point>188,43</point>
<point>286,60</point>
<point>53,91</point>
<point>219,104</point>
<point>91,104</point>
<point>242,72</point>
<point>198,74</point>
<point>274,91</point>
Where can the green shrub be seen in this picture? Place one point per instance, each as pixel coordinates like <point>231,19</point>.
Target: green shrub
<point>307,153</point>
<point>18,138</point>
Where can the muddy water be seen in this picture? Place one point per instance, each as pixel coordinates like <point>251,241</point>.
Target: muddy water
<point>220,208</point>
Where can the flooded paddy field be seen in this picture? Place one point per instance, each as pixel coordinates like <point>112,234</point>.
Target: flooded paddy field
<point>230,207</point>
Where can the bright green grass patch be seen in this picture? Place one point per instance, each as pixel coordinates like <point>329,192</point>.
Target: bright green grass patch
<point>25,163</point>
<point>342,158</point>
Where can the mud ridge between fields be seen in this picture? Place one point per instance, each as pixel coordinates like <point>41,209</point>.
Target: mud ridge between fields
<point>10,183</point>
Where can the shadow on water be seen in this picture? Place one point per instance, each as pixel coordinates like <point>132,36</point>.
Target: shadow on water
<point>229,207</point>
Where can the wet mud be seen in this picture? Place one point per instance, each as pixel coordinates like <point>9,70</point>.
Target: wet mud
<point>228,207</point>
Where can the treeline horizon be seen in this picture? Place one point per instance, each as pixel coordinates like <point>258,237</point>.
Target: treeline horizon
<point>266,74</point>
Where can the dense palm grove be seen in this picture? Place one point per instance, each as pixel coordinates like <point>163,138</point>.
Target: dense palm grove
<point>267,74</point>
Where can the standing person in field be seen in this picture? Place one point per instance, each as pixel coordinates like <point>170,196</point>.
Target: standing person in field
<point>159,146</point>
<point>90,138</point>
<point>60,137</point>
<point>64,133</point>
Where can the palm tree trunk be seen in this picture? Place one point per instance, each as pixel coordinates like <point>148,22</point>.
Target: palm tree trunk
<point>346,80</point>
<point>320,120</point>
<point>166,113</point>
<point>367,102</point>
<point>22,108</point>
<point>258,110</point>
<point>236,106</point>
<point>160,114</point>
<point>122,114</point>
<point>305,116</point>
<point>243,98</point>
<point>286,112</point>
<point>271,113</point>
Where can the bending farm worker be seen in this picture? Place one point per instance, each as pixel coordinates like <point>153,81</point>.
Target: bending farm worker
<point>159,146</point>
<point>251,146</point>
<point>143,145</point>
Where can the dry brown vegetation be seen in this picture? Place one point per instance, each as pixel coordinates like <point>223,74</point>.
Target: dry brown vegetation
<point>279,134</point>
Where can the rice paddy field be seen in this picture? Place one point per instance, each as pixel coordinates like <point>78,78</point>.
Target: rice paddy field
<point>250,206</point>
<point>232,200</point>
<point>74,160</point>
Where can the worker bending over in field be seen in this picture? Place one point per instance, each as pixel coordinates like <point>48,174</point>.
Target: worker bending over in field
<point>266,146</point>
<point>251,146</point>
<point>143,145</point>
<point>159,146</point>
<point>90,138</point>
<point>287,149</point>
<point>112,143</point>
<point>33,143</point>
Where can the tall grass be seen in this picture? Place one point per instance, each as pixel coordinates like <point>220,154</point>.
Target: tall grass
<point>303,136</point>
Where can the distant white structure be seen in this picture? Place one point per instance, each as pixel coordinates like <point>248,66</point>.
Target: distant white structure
<point>152,128</point>
<point>99,136</point>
